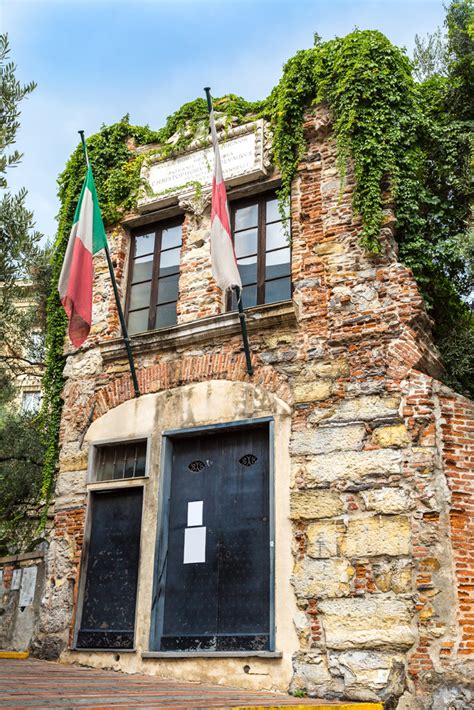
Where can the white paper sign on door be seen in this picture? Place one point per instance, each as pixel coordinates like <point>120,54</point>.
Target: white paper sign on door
<point>194,545</point>
<point>195,513</point>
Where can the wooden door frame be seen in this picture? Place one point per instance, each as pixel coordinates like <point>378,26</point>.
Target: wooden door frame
<point>161,547</point>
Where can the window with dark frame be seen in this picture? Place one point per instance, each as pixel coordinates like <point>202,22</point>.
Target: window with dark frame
<point>117,461</point>
<point>262,251</point>
<point>153,277</point>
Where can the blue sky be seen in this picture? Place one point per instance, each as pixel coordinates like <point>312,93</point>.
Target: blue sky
<point>96,60</point>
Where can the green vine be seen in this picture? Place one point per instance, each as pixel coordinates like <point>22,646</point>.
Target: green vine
<point>367,84</point>
<point>398,136</point>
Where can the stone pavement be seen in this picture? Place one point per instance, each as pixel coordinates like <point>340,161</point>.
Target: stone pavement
<point>37,684</point>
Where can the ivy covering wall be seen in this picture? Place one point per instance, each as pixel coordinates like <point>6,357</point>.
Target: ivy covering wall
<point>400,136</point>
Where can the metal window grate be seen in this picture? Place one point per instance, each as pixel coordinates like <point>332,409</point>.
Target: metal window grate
<point>120,461</point>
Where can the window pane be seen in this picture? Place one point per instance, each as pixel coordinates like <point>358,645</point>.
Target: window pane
<point>141,459</point>
<point>142,268</point>
<point>165,316</point>
<point>249,296</point>
<point>278,290</point>
<point>246,217</point>
<point>276,237</point>
<point>248,269</point>
<point>135,460</point>
<point>129,462</point>
<point>140,296</point>
<point>273,213</point>
<point>169,262</point>
<point>246,242</point>
<point>277,263</point>
<point>168,289</point>
<point>106,463</point>
<point>171,237</point>
<point>145,244</point>
<point>138,321</point>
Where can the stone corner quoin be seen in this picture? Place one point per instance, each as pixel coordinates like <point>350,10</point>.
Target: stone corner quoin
<point>372,456</point>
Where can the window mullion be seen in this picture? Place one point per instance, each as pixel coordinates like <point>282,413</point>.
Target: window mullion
<point>261,251</point>
<point>154,280</point>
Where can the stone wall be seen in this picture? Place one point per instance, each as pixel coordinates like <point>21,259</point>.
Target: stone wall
<point>19,613</point>
<point>379,479</point>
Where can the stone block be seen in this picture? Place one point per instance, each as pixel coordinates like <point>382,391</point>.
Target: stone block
<point>329,369</point>
<point>324,439</point>
<point>380,535</point>
<point>387,500</point>
<point>311,505</point>
<point>70,489</point>
<point>352,466</point>
<point>312,391</point>
<point>324,538</point>
<point>367,407</point>
<point>83,364</point>
<point>396,435</point>
<point>393,575</point>
<point>322,578</point>
<point>77,462</point>
<point>311,674</point>
<point>368,675</point>
<point>366,623</point>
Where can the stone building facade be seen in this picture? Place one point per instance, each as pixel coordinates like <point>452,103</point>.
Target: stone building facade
<point>367,579</point>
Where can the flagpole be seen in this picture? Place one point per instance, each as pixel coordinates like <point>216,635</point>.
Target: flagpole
<point>238,291</point>
<point>117,297</point>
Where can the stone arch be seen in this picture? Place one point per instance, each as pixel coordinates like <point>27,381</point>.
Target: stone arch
<point>190,405</point>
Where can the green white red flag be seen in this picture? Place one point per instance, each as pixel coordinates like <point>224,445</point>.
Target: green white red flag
<point>75,282</point>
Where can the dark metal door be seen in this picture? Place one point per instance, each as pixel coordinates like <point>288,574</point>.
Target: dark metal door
<point>108,609</point>
<point>216,581</point>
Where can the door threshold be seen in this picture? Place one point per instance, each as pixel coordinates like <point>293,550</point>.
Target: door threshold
<point>212,654</point>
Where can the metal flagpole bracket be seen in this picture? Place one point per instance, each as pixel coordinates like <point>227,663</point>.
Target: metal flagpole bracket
<point>243,326</point>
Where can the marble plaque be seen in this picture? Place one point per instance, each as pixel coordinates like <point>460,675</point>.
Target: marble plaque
<point>28,583</point>
<point>242,161</point>
<point>16,580</point>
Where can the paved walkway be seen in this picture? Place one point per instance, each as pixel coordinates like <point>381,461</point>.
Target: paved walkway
<point>42,685</point>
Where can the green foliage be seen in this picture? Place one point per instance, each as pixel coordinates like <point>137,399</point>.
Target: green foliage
<point>24,280</point>
<point>21,463</point>
<point>299,693</point>
<point>460,27</point>
<point>12,93</point>
<point>367,83</point>
<point>429,56</point>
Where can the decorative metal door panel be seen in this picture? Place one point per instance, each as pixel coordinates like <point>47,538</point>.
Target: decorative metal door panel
<point>215,582</point>
<point>110,590</point>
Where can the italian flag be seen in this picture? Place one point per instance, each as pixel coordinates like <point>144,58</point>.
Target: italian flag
<point>75,283</point>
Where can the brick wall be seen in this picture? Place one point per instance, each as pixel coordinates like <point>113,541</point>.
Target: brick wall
<point>457,424</point>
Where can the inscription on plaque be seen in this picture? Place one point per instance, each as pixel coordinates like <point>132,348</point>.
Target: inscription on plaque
<point>241,156</point>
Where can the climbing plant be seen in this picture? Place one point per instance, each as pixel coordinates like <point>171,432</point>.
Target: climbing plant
<point>406,140</point>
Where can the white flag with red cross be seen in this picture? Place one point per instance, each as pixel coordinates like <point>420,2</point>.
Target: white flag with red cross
<point>224,263</point>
